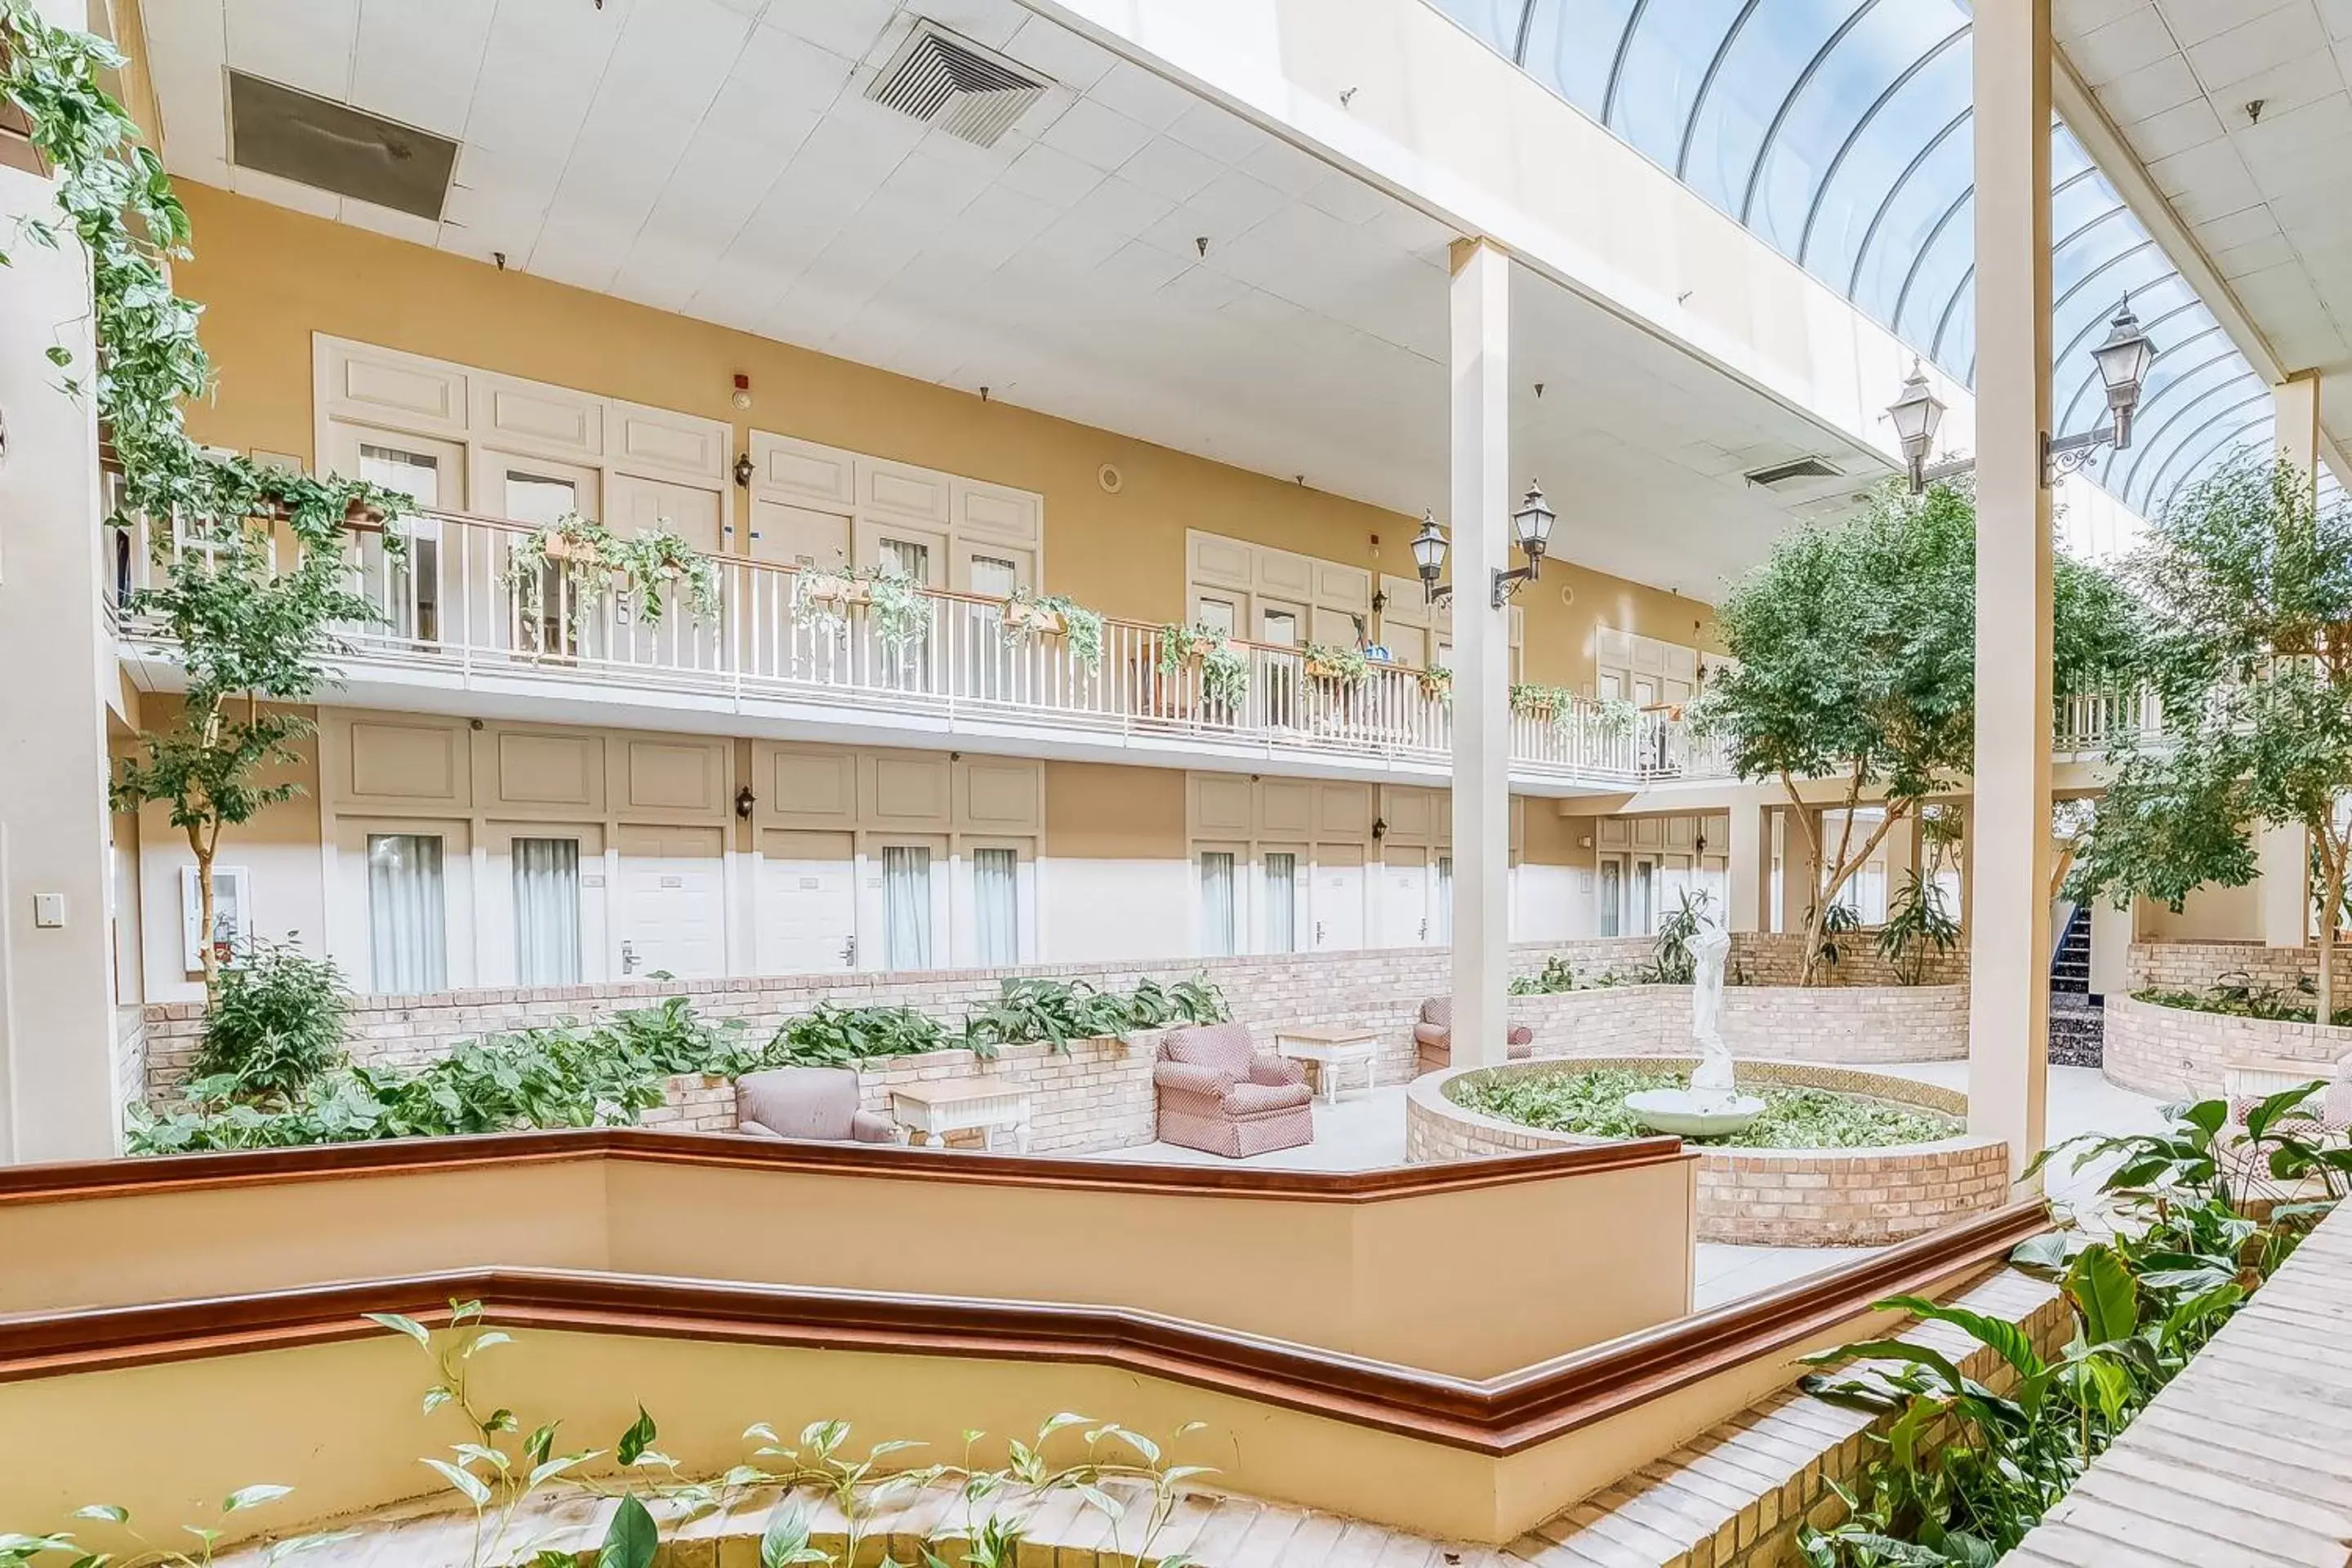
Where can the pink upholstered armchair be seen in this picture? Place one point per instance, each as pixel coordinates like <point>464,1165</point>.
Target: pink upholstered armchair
<point>1219,1095</point>
<point>818,1103</point>
<point>1432,1037</point>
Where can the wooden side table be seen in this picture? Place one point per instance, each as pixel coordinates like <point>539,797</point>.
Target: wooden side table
<point>930,1111</point>
<point>1329,1051</point>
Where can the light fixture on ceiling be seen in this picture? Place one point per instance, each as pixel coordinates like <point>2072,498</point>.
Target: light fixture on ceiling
<point>2123,362</point>
<point>1530,531</point>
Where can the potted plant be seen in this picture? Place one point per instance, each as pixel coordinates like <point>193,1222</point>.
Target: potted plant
<point>1436,683</point>
<point>1028,614</point>
<point>1223,669</point>
<point>897,610</point>
<point>1339,666</point>
<point>1537,701</point>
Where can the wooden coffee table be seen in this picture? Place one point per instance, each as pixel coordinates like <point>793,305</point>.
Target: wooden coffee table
<point>1329,1051</point>
<point>930,1111</point>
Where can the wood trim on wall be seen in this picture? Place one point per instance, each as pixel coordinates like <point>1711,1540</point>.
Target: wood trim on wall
<point>151,1174</point>
<point>1492,1417</point>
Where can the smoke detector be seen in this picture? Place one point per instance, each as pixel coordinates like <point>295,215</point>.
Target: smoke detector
<point>963,89</point>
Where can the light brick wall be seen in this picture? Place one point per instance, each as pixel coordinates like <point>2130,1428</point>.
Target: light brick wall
<point>2198,965</point>
<point>1778,958</point>
<point>1098,1095</point>
<point>1378,991</point>
<point>2180,1053</point>
<point>1766,1197</point>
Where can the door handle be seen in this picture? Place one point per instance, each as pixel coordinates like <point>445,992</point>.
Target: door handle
<point>849,953</point>
<point>1425,931</point>
<point>628,959</point>
<point>1318,933</point>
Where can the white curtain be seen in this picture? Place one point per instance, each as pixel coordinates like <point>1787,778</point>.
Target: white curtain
<point>1217,936</point>
<point>1444,924</point>
<point>408,944</point>
<point>996,905</point>
<point>547,911</point>
<point>1281,902</point>
<point>906,907</point>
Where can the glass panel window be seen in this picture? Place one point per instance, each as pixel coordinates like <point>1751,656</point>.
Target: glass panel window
<point>1645,898</point>
<point>408,944</point>
<point>1217,614</point>
<point>537,499</point>
<point>996,906</point>
<point>1444,924</point>
<point>906,907</point>
<point>995,578</point>
<point>406,586</point>
<point>909,559</point>
<point>547,911</point>
<point>1218,933</point>
<point>1281,902</point>
<point>1611,897</point>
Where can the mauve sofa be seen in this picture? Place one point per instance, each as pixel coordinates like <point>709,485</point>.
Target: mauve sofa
<point>1432,1037</point>
<point>819,1103</point>
<point>1218,1094</point>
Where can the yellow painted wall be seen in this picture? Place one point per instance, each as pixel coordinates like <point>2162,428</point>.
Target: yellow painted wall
<point>269,279</point>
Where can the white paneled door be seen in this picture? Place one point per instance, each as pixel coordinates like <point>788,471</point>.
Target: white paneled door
<point>1338,901</point>
<point>1405,917</point>
<point>808,903</point>
<point>672,902</point>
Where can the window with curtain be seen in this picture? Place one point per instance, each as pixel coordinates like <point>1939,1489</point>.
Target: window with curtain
<point>906,906</point>
<point>547,911</point>
<point>406,586</point>
<point>1444,924</point>
<point>996,905</point>
<point>407,921</point>
<point>1218,935</point>
<point>1281,901</point>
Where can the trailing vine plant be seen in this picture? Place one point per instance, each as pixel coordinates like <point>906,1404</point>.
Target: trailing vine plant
<point>897,609</point>
<point>1081,627</point>
<point>1224,668</point>
<point>1345,668</point>
<point>254,615</point>
<point>604,564</point>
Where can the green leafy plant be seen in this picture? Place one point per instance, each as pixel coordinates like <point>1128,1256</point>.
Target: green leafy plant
<point>1960,1470</point>
<point>1436,683</point>
<point>1592,1101</point>
<point>1556,976</point>
<point>843,1036</point>
<point>1196,1001</point>
<point>2241,998</point>
<point>1854,660</point>
<point>2251,587</point>
<point>1224,668</point>
<point>1672,962</point>
<point>1918,926</point>
<point>601,566</point>
<point>1556,703</point>
<point>275,1022</point>
<point>897,610</point>
<point>1057,1012</point>
<point>1345,668</point>
<point>1838,922</point>
<point>255,626</point>
<point>1028,614</point>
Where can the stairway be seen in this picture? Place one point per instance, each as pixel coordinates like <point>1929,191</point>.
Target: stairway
<point>2077,1026</point>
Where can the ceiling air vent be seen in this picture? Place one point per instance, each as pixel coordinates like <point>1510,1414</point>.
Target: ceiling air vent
<point>329,146</point>
<point>1790,472</point>
<point>964,90</point>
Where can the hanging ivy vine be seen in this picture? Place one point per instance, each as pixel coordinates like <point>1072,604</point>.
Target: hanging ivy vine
<point>253,630</point>
<point>604,565</point>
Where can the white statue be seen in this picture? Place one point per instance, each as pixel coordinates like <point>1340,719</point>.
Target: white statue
<point>1711,1079</point>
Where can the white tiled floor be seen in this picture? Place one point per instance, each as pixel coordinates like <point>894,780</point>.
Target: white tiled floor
<point>1366,1131</point>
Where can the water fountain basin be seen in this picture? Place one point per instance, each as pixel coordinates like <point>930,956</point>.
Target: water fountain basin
<point>1692,1113</point>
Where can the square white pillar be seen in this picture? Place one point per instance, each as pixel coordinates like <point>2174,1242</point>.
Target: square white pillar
<point>1481,293</point>
<point>1748,865</point>
<point>2011,856</point>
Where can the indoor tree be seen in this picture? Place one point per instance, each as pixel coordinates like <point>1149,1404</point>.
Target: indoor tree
<point>1854,661</point>
<point>254,612</point>
<point>2249,656</point>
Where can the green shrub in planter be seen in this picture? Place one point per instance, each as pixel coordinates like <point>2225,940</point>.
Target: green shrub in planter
<point>275,1025</point>
<point>843,1036</point>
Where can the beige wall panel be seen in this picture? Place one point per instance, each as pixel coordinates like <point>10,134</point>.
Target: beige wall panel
<point>1223,561</point>
<point>1002,796</point>
<point>814,788</point>
<point>1343,587</point>
<point>675,775</point>
<point>1283,573</point>
<point>1649,833</point>
<point>1285,809</point>
<point>1343,811</point>
<point>392,762</point>
<point>1221,805</point>
<point>1106,812</point>
<point>549,770</point>
<point>1680,831</point>
<point>1411,814</point>
<point>401,391</point>
<point>995,513</point>
<point>903,490</point>
<point>673,446</point>
<point>1408,604</point>
<point>1616,832</point>
<point>691,511</point>
<point>907,791</point>
<point>804,469</point>
<point>546,420</point>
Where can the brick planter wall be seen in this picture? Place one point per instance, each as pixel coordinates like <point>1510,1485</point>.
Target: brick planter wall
<point>1778,958</point>
<point>1772,1197</point>
<point>2196,965</point>
<point>1099,1096</point>
<point>1846,1024</point>
<point>2181,1053</point>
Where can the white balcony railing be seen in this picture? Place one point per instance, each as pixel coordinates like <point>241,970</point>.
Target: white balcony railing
<point>452,607</point>
<point>2087,721</point>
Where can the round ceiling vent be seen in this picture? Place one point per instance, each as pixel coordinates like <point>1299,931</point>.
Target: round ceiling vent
<point>1110,478</point>
<point>1566,594</point>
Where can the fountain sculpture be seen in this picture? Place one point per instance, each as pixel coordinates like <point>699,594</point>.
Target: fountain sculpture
<point>1711,1106</point>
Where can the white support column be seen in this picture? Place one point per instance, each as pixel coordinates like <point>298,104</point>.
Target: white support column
<point>57,984</point>
<point>2296,401</point>
<point>1482,651</point>
<point>1748,867</point>
<point>2009,931</point>
<point>2284,896</point>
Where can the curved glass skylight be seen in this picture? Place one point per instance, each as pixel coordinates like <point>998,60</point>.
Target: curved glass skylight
<point>1838,132</point>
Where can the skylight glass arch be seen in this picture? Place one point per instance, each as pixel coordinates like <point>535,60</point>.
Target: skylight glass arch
<point>1839,131</point>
